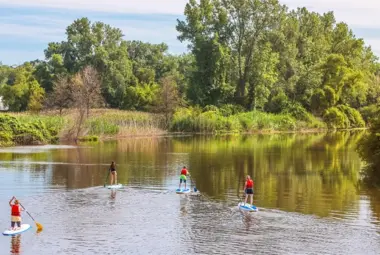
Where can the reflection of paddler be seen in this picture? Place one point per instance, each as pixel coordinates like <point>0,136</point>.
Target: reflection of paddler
<point>15,244</point>
<point>113,194</point>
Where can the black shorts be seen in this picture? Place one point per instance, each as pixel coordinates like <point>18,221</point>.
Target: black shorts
<point>180,181</point>
<point>18,224</point>
<point>249,191</point>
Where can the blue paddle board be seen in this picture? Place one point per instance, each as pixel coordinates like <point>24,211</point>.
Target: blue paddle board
<point>182,191</point>
<point>9,232</point>
<point>115,186</point>
<point>247,207</point>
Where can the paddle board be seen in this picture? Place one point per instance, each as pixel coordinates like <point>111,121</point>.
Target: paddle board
<point>182,191</point>
<point>115,186</point>
<point>247,207</point>
<point>24,227</point>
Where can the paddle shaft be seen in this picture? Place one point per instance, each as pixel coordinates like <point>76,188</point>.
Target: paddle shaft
<point>27,212</point>
<point>106,178</point>
<point>192,182</point>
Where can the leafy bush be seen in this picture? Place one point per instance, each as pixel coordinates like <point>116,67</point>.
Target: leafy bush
<point>335,118</point>
<point>185,120</point>
<point>25,131</point>
<point>230,109</point>
<point>370,112</point>
<point>278,103</point>
<point>354,116</point>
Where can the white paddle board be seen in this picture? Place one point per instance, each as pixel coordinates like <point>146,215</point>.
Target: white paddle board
<point>182,191</point>
<point>9,232</point>
<point>115,186</point>
<point>247,207</point>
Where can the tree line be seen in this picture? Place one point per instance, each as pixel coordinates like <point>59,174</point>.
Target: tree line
<point>251,54</point>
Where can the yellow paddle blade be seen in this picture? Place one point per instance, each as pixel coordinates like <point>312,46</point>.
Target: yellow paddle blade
<point>39,226</point>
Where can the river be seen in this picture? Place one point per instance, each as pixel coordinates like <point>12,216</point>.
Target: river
<point>306,189</point>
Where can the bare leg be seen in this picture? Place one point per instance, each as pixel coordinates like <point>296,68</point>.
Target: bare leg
<point>111,179</point>
<point>185,184</point>
<point>246,196</point>
<point>251,199</point>
<point>115,178</point>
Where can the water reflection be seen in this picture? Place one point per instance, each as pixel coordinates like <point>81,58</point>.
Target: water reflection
<point>305,186</point>
<point>16,244</point>
<point>307,173</point>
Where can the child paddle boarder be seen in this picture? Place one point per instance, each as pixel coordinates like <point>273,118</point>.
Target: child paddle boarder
<point>182,178</point>
<point>15,213</point>
<point>113,173</point>
<point>248,189</point>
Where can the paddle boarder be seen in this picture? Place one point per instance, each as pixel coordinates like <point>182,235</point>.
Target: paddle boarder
<point>248,189</point>
<point>113,173</point>
<point>182,178</point>
<point>15,213</point>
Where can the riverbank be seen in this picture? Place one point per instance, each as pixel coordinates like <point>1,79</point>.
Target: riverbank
<point>50,127</point>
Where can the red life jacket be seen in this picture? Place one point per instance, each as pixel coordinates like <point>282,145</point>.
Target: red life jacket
<point>249,184</point>
<point>184,171</point>
<point>16,210</point>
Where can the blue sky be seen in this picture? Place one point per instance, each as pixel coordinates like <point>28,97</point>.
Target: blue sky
<point>26,26</point>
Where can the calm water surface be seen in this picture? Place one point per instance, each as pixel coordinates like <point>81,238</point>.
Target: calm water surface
<point>306,186</point>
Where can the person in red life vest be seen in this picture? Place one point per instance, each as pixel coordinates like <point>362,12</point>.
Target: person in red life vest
<point>248,189</point>
<point>15,213</point>
<point>184,173</point>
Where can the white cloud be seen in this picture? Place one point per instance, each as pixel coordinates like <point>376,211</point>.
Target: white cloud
<point>118,6</point>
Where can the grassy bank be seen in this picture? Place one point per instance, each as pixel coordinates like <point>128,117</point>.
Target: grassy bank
<point>219,121</point>
<point>50,127</point>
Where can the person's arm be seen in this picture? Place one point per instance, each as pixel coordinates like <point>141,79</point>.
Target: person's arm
<point>10,201</point>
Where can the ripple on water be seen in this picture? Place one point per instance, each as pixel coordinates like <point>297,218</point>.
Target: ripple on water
<point>144,221</point>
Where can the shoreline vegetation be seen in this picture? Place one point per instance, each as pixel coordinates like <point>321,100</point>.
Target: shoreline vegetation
<point>252,67</point>
<point>49,127</point>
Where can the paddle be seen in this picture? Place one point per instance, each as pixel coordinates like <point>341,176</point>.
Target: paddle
<point>106,179</point>
<point>195,188</point>
<point>38,225</point>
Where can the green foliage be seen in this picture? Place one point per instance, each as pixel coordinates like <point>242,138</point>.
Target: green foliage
<point>230,109</point>
<point>213,121</point>
<point>21,91</point>
<point>353,115</point>
<point>278,103</point>
<point>26,131</point>
<point>335,118</point>
<point>370,112</point>
<point>244,56</point>
<point>369,150</point>
<point>140,97</point>
<point>100,126</point>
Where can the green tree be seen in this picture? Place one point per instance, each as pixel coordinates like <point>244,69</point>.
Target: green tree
<point>101,46</point>
<point>21,91</point>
